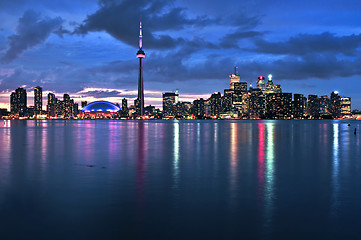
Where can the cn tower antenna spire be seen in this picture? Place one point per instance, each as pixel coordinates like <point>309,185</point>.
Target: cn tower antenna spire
<point>140,35</point>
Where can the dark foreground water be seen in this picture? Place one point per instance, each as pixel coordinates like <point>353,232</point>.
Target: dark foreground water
<point>180,180</point>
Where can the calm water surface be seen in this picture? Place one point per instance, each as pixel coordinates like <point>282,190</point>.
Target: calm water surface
<point>180,180</point>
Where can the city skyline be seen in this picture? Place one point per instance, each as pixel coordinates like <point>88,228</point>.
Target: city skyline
<point>78,50</point>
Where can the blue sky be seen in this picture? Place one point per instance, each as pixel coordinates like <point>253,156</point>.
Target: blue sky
<point>87,48</point>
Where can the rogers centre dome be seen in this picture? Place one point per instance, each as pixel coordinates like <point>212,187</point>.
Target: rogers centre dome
<point>101,106</point>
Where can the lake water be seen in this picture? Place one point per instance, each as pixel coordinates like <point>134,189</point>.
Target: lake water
<point>89,179</point>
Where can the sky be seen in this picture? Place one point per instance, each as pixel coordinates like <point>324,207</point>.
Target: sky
<point>87,48</point>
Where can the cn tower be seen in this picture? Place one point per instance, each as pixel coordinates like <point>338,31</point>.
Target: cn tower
<point>140,55</point>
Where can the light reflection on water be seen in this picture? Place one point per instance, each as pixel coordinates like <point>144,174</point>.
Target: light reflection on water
<point>180,179</point>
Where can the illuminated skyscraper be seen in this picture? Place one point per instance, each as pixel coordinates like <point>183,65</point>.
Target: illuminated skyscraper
<point>18,102</point>
<point>125,107</point>
<point>313,106</point>
<point>324,106</point>
<point>345,103</point>
<point>234,78</point>
<point>335,105</point>
<point>38,100</point>
<point>170,99</point>
<point>298,106</point>
<point>51,107</point>
<point>261,83</point>
<point>140,54</point>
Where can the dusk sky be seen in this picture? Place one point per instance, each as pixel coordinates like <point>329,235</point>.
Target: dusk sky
<point>88,48</point>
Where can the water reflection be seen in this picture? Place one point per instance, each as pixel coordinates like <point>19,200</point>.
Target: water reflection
<point>175,153</point>
<point>269,174</point>
<point>335,170</point>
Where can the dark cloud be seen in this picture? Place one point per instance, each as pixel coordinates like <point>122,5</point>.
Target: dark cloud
<point>312,66</point>
<point>303,44</point>
<point>231,40</point>
<point>32,30</point>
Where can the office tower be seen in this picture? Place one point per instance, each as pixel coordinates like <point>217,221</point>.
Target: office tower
<point>227,100</point>
<point>84,103</point>
<point>261,83</point>
<point>234,78</point>
<point>216,103</point>
<point>183,108</point>
<point>170,99</point>
<point>75,109</point>
<point>345,105</point>
<point>271,87</point>
<point>38,100</point>
<point>51,107</point>
<point>256,103</point>
<point>198,108</point>
<point>298,106</point>
<point>324,106</point>
<point>125,107</point>
<point>279,105</point>
<point>313,106</point>
<point>67,106</point>
<point>18,102</point>
<point>335,108</point>
<point>140,54</point>
<point>240,87</point>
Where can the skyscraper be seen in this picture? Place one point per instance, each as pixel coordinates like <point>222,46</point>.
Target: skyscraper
<point>313,106</point>
<point>170,99</point>
<point>234,78</point>
<point>345,105</point>
<point>261,83</point>
<point>298,106</point>
<point>335,105</point>
<point>51,108</point>
<point>18,101</point>
<point>38,100</point>
<point>125,107</point>
<point>140,54</point>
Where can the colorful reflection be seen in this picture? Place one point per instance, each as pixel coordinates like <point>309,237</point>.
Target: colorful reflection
<point>269,173</point>
<point>175,154</point>
<point>261,158</point>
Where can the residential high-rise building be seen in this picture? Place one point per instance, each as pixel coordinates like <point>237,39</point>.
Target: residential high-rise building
<point>345,103</point>
<point>324,106</point>
<point>198,108</point>
<point>227,100</point>
<point>298,106</point>
<point>335,105</point>
<point>38,100</point>
<point>183,108</point>
<point>125,107</point>
<point>170,99</point>
<point>256,103</point>
<point>279,105</point>
<point>18,102</point>
<point>51,107</point>
<point>68,107</point>
<point>313,106</point>
<point>140,56</point>
<point>216,103</point>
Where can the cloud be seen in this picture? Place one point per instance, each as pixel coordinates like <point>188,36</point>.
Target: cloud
<point>32,30</point>
<point>303,44</point>
<point>231,40</point>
